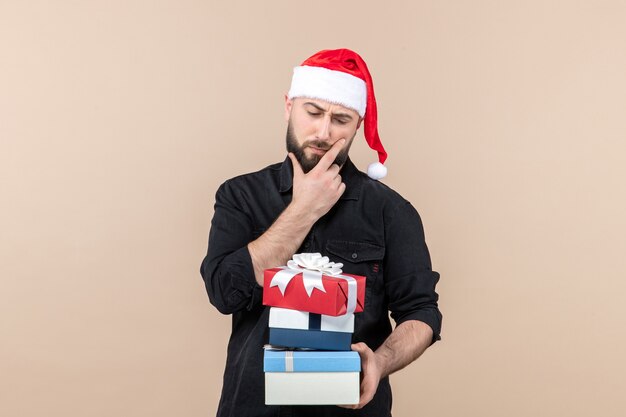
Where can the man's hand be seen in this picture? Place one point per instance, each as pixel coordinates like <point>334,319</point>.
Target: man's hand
<point>405,344</point>
<point>314,194</point>
<point>371,375</point>
<point>317,191</point>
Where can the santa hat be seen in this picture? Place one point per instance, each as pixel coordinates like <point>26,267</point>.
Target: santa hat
<point>340,76</point>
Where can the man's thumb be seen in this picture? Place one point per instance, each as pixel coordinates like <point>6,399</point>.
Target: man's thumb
<point>359,347</point>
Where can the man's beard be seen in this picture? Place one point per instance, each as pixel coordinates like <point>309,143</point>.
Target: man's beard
<point>306,163</point>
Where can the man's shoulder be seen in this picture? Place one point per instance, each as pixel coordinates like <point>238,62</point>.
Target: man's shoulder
<point>381,192</point>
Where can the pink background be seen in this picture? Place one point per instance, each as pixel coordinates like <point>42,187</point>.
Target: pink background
<point>505,126</point>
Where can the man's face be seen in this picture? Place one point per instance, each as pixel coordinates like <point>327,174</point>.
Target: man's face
<point>314,126</point>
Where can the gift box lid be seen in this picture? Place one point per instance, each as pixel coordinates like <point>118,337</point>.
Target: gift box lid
<point>285,318</point>
<point>310,361</point>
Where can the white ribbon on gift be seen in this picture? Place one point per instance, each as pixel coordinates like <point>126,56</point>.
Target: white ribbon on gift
<point>312,266</point>
<point>289,361</point>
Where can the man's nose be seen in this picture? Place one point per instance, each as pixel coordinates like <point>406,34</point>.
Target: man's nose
<point>323,129</point>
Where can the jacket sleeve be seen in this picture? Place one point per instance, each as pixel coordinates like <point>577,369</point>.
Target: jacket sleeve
<point>409,279</point>
<point>227,268</point>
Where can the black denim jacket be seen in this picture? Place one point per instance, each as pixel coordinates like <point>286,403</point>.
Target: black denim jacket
<point>372,230</point>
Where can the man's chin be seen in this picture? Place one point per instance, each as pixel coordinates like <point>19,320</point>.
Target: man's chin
<point>308,163</point>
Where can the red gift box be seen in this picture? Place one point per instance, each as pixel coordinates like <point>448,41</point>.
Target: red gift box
<point>333,302</point>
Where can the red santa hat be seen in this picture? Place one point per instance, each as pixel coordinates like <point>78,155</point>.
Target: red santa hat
<point>340,76</point>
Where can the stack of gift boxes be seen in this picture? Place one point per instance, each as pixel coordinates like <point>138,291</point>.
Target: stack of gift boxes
<point>311,321</point>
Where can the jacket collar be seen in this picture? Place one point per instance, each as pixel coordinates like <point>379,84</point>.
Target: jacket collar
<point>350,175</point>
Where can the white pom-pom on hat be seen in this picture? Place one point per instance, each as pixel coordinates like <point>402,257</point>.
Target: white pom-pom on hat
<point>376,171</point>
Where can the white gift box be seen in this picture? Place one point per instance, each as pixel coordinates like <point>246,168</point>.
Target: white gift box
<point>311,388</point>
<point>285,318</point>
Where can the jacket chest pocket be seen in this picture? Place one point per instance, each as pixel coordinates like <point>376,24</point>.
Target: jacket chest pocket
<point>359,258</point>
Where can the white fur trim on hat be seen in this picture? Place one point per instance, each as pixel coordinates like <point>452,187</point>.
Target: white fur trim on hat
<point>329,85</point>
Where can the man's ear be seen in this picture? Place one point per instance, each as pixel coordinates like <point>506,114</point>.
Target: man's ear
<point>288,105</point>
<point>358,125</point>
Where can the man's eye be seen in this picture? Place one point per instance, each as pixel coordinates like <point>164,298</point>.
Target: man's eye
<point>313,113</point>
<point>340,121</point>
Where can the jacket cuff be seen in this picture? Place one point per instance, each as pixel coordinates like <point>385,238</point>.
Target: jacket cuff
<point>432,318</point>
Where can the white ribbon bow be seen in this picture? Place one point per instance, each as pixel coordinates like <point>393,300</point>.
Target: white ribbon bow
<point>312,266</point>
<point>315,262</point>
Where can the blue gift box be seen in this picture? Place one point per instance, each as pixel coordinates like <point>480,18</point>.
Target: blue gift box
<point>310,361</point>
<point>310,339</point>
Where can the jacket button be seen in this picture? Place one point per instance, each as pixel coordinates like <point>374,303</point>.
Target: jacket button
<point>354,255</point>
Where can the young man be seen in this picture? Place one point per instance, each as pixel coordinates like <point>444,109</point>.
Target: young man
<point>317,201</point>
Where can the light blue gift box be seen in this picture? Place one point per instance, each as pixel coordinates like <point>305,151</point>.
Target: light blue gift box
<point>311,377</point>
